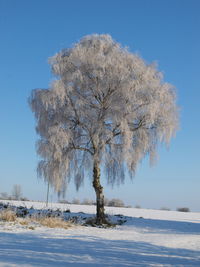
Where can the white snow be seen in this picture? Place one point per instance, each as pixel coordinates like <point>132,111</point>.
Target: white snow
<point>148,238</point>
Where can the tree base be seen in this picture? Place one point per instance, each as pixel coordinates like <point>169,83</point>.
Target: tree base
<point>95,222</point>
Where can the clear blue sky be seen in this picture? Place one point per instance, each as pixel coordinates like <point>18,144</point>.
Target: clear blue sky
<point>165,31</point>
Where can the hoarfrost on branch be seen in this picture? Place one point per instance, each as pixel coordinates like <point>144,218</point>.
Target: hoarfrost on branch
<point>106,105</point>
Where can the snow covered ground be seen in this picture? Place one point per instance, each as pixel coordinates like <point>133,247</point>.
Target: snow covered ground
<point>148,238</point>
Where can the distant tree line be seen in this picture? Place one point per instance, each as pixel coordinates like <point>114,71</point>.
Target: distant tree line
<point>16,194</point>
<point>114,202</point>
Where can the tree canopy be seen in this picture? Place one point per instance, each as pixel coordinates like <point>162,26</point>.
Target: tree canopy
<point>106,106</point>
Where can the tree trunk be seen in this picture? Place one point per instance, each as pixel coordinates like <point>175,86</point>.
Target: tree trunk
<point>100,216</point>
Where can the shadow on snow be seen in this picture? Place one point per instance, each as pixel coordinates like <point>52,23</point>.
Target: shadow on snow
<point>30,250</point>
<point>170,227</point>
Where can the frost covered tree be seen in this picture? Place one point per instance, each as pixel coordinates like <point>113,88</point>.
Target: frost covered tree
<point>16,191</point>
<point>106,109</point>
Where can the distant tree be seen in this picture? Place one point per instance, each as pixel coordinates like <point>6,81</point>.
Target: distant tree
<point>64,201</point>
<point>16,191</point>
<point>76,201</point>
<point>137,206</point>
<point>116,202</point>
<point>106,109</point>
<point>4,195</point>
<point>87,201</point>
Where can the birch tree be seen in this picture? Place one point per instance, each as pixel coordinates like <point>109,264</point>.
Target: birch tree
<point>16,191</point>
<point>105,110</point>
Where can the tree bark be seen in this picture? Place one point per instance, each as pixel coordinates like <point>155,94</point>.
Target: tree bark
<point>100,215</point>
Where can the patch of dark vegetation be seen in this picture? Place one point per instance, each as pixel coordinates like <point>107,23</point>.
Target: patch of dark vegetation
<point>92,221</point>
<point>24,212</point>
<point>120,222</point>
<point>119,215</point>
<point>121,219</point>
<point>79,218</point>
<point>109,221</point>
<point>184,209</point>
<point>67,211</point>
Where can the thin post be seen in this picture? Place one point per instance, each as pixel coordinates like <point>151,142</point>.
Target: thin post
<point>47,200</point>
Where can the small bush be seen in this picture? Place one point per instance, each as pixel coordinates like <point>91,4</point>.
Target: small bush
<point>183,209</point>
<point>63,201</point>
<point>24,199</point>
<point>164,208</point>
<point>115,202</point>
<point>137,207</point>
<point>8,215</point>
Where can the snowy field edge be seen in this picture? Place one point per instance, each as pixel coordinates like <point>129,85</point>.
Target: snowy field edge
<point>130,212</point>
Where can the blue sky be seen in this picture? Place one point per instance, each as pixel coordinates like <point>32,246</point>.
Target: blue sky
<point>165,31</point>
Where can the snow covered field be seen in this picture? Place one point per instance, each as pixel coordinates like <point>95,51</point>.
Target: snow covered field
<point>148,238</point>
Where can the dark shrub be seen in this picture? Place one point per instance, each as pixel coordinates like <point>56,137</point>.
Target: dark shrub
<point>183,209</point>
